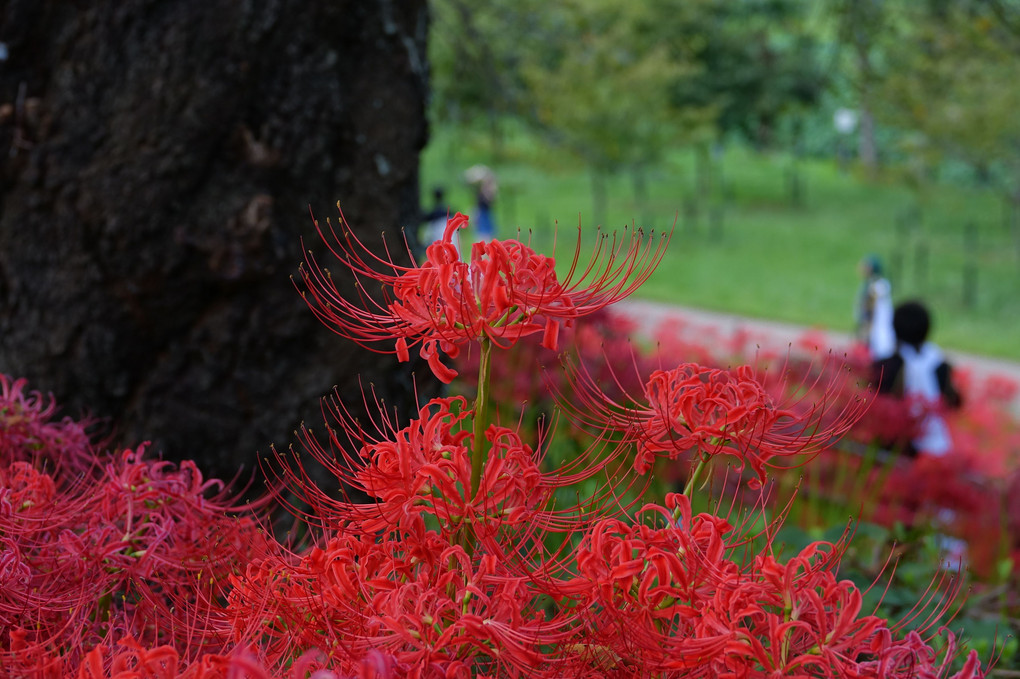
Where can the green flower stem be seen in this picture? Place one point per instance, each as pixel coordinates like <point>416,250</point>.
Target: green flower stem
<point>479,451</point>
<point>696,474</point>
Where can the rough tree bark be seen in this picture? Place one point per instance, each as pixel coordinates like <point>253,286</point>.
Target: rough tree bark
<point>157,161</point>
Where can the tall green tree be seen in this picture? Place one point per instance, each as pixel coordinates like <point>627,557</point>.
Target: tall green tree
<point>953,82</point>
<point>477,53</point>
<point>619,83</point>
<point>750,63</point>
<point>605,94</point>
<point>952,71</point>
<point>754,60</point>
<point>862,30</point>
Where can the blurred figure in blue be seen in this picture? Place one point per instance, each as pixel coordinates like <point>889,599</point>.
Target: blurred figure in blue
<point>435,222</point>
<point>874,313</point>
<point>483,180</point>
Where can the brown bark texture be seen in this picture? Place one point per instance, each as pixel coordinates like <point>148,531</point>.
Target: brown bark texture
<point>157,165</point>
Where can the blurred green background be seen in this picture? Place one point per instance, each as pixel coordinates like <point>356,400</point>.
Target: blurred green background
<point>785,139</point>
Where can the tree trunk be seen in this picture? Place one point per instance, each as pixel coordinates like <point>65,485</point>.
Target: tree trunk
<point>157,171</point>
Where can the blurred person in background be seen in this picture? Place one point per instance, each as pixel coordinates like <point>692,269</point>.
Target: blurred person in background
<point>483,179</point>
<point>919,373</point>
<point>874,313</point>
<point>434,222</point>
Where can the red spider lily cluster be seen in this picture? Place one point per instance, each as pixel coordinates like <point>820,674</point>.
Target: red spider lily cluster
<point>970,494</point>
<point>97,549</point>
<point>457,547</point>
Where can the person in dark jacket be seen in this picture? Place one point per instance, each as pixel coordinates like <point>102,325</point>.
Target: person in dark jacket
<point>434,222</point>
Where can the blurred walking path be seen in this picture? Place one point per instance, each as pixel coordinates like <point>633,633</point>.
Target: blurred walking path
<point>776,335</point>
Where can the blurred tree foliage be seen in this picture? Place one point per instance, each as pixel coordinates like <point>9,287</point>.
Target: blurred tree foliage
<point>614,82</point>
<point>951,81</point>
<point>754,61</point>
<point>605,94</point>
<point>606,97</point>
<point>617,84</point>
<point>860,33</point>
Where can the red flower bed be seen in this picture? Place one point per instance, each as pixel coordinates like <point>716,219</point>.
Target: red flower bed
<point>481,551</point>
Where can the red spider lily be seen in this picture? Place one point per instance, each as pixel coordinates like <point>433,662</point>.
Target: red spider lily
<point>716,412</point>
<point>641,586</point>
<point>420,600</point>
<point>450,550</point>
<point>505,291</point>
<point>427,468</point>
<point>48,585</point>
<point>129,659</point>
<point>671,600</point>
<point>143,549</point>
<point>985,446</point>
<point>170,538</point>
<point>815,622</point>
<point>29,431</point>
<point>424,470</point>
<point>912,657</point>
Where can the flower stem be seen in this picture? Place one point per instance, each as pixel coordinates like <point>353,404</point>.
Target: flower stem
<point>696,473</point>
<point>478,453</point>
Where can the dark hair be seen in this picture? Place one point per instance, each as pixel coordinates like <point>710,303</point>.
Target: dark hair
<point>911,322</point>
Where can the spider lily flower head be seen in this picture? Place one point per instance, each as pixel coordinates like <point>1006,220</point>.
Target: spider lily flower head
<point>145,549</point>
<point>396,480</point>
<point>504,292</point>
<point>30,430</point>
<point>427,468</point>
<point>693,410</point>
<point>715,411</point>
<point>420,471</point>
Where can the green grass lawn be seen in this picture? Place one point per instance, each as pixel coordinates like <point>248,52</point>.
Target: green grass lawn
<point>745,246</point>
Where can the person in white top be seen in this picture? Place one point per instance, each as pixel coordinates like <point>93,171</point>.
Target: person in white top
<point>875,310</point>
<point>919,372</point>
